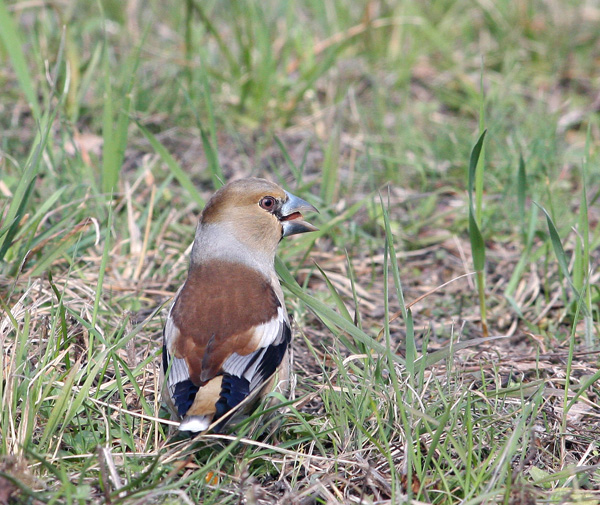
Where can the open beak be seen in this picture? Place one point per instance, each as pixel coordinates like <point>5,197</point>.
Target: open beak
<point>290,216</point>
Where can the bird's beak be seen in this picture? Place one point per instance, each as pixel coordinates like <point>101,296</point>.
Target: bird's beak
<point>290,216</point>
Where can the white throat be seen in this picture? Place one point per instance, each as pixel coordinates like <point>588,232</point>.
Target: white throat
<point>218,242</point>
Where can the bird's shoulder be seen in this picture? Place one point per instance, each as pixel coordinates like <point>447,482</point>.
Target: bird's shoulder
<point>223,297</point>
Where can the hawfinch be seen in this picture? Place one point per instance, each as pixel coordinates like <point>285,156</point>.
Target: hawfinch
<point>226,339</point>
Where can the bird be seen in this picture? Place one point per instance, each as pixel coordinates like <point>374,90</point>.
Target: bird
<point>226,339</point>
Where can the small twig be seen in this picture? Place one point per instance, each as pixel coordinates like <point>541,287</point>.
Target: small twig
<point>135,414</point>
<point>109,473</point>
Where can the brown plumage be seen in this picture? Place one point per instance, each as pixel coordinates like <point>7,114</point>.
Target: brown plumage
<point>230,300</point>
<point>228,333</point>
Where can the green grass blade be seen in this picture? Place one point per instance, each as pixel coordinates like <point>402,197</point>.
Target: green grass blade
<point>209,136</point>
<point>477,243</point>
<point>522,193</point>
<point>330,180</point>
<point>337,299</point>
<point>61,405</point>
<point>479,168</point>
<point>19,204</point>
<point>524,259</point>
<point>473,161</point>
<point>22,193</point>
<point>296,171</point>
<point>559,251</point>
<point>101,274</point>
<point>110,166</point>
<point>9,34</point>
<point>115,127</point>
<point>445,352</point>
<point>352,277</point>
<point>183,178</point>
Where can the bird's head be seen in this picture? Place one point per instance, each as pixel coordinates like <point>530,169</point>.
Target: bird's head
<point>257,213</point>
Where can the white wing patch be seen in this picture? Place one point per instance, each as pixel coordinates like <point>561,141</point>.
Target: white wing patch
<point>270,332</point>
<point>171,331</point>
<point>236,364</point>
<point>178,370</point>
<point>267,334</point>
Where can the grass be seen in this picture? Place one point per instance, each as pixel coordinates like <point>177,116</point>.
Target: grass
<point>118,123</point>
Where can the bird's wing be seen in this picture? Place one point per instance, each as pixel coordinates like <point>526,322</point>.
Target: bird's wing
<point>226,334</point>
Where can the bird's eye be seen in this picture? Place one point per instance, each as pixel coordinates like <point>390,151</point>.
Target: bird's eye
<point>267,203</point>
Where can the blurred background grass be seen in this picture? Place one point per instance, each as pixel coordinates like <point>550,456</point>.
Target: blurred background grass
<point>119,119</point>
